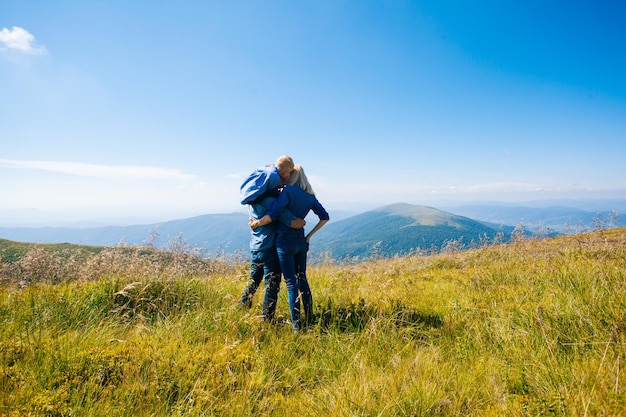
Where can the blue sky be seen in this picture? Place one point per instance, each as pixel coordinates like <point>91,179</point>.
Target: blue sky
<point>157,110</point>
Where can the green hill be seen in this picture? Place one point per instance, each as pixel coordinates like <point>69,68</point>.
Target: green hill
<point>215,233</point>
<point>399,229</point>
<point>11,251</point>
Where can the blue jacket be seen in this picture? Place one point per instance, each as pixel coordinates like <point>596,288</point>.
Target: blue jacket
<point>263,237</point>
<point>297,201</point>
<point>259,191</point>
<point>261,183</point>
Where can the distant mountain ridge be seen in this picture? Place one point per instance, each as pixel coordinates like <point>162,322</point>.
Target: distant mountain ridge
<point>557,218</point>
<point>399,229</point>
<point>387,231</point>
<point>226,233</point>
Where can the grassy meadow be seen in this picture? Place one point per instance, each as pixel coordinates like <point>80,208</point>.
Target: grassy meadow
<point>531,328</point>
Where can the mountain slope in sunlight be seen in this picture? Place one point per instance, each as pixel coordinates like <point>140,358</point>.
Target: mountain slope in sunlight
<point>399,229</point>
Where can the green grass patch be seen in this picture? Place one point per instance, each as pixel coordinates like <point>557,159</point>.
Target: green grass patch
<point>530,328</point>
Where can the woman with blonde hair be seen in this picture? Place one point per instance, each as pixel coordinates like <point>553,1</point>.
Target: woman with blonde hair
<point>292,244</point>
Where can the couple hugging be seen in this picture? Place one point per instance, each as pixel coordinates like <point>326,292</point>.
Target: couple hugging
<point>279,197</point>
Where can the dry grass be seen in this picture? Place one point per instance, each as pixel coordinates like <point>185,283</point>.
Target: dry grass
<point>530,328</point>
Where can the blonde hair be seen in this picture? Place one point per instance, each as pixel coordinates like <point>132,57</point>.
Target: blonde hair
<point>284,162</point>
<point>299,178</point>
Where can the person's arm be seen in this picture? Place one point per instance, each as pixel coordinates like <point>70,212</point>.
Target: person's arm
<point>297,223</point>
<point>260,222</point>
<point>323,216</point>
<point>289,220</point>
<point>266,219</point>
<point>276,210</point>
<point>317,227</point>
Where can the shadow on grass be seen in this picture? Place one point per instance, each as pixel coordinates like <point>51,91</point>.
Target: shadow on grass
<point>353,317</point>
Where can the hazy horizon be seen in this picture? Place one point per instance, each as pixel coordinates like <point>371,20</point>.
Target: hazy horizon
<point>80,218</point>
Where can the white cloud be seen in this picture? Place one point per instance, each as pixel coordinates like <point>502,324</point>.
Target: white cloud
<point>100,171</point>
<point>19,39</point>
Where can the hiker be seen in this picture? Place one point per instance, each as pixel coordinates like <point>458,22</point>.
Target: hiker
<point>259,191</point>
<point>291,244</point>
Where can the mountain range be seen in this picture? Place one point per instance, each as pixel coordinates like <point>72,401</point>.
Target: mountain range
<point>391,230</point>
<point>399,229</point>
